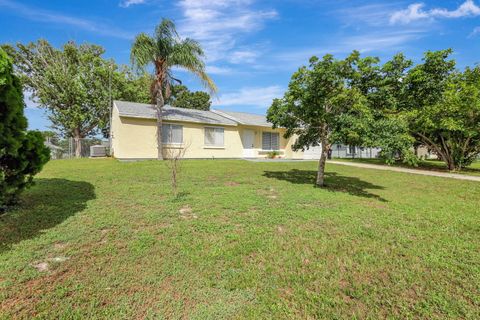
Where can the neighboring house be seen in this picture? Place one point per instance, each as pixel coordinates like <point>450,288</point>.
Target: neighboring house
<point>345,151</point>
<point>203,134</point>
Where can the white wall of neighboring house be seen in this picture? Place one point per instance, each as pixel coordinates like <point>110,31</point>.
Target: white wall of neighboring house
<point>313,153</point>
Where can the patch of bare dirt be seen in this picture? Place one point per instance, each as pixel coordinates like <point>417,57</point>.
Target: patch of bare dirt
<point>59,246</point>
<point>186,212</point>
<point>269,193</point>
<point>281,229</point>
<point>41,266</point>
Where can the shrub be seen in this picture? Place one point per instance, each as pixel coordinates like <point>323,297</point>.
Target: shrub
<point>273,154</point>
<point>22,153</point>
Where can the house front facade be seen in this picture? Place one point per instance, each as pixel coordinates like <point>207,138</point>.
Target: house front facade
<point>200,134</point>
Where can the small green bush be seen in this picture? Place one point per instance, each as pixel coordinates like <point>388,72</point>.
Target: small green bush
<point>273,154</point>
<point>22,153</point>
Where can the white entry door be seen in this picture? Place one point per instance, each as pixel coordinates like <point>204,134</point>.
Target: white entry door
<point>248,139</point>
<point>313,153</point>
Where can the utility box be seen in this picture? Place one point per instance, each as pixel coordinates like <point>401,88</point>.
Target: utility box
<point>98,151</point>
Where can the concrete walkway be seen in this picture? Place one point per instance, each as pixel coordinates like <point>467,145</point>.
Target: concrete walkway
<point>414,171</point>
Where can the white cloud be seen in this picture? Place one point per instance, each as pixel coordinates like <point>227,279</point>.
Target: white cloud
<point>261,97</point>
<point>379,41</point>
<point>128,3</point>
<point>415,12</point>
<point>385,41</point>
<point>466,9</point>
<point>36,14</point>
<point>243,56</point>
<point>412,13</point>
<point>218,70</point>
<point>218,24</point>
<point>475,32</point>
<point>376,14</point>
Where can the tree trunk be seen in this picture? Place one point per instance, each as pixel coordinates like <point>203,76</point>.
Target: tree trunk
<point>78,143</point>
<point>450,164</point>
<point>159,106</point>
<point>321,164</point>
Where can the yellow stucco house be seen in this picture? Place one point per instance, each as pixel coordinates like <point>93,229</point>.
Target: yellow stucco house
<point>202,134</point>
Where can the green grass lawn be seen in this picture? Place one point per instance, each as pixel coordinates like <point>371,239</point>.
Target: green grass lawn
<point>104,239</point>
<point>433,165</point>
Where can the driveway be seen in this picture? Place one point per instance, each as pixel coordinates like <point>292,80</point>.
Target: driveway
<point>383,167</point>
<point>406,170</point>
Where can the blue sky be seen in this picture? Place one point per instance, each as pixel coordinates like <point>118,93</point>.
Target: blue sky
<point>252,46</point>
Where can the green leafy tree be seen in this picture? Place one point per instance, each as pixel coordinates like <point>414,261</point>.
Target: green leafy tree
<point>320,107</point>
<point>73,84</point>
<point>22,153</point>
<point>130,86</point>
<point>443,108</point>
<point>181,97</point>
<point>383,88</point>
<point>165,50</point>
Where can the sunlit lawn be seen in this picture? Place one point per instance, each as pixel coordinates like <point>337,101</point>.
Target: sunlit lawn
<point>105,239</point>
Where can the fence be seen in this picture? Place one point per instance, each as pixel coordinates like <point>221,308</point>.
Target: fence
<point>345,151</point>
<point>70,148</point>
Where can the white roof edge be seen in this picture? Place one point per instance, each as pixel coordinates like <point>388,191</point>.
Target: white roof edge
<point>220,113</point>
<point>166,119</point>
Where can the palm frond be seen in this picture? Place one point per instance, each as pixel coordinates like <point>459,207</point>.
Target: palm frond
<point>143,51</point>
<point>165,37</point>
<point>188,54</point>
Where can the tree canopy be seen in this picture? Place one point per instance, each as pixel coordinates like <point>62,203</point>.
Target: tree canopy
<point>22,153</point>
<point>442,106</point>
<point>181,97</point>
<point>72,84</point>
<point>321,107</point>
<point>395,106</point>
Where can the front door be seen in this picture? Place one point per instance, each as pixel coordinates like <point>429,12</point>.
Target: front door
<point>248,139</point>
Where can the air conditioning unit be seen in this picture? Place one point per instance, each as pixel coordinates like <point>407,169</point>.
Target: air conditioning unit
<point>98,151</point>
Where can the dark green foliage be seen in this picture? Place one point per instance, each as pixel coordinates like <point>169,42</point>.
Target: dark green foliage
<point>72,83</point>
<point>181,97</point>
<point>129,86</point>
<point>325,104</point>
<point>22,154</point>
<point>443,108</point>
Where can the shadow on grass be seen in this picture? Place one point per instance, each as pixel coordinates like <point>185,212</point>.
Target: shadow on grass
<point>333,181</point>
<point>48,203</point>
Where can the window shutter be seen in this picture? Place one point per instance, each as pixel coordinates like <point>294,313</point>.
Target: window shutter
<point>219,136</point>
<point>266,141</point>
<point>270,141</point>
<point>275,141</point>
<point>209,137</point>
<point>177,134</point>
<point>165,133</point>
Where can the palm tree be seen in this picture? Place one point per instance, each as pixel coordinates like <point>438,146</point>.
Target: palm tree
<point>165,50</point>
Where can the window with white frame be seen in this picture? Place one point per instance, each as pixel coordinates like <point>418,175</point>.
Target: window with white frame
<point>214,136</point>
<point>351,149</point>
<point>270,141</point>
<point>172,133</point>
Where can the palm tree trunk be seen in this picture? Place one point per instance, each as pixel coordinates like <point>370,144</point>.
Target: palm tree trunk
<point>159,107</point>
